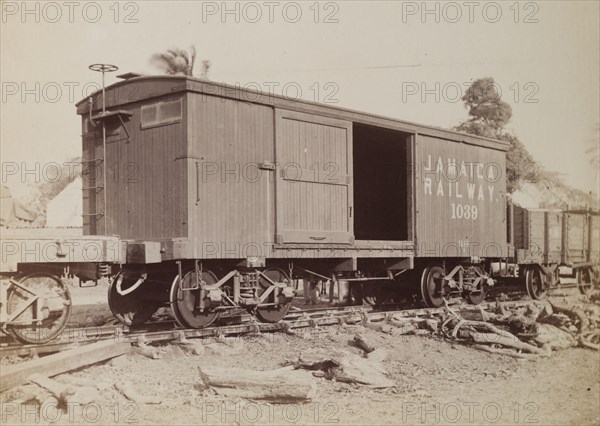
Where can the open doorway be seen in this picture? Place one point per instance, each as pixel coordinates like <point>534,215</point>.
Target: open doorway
<point>380,183</point>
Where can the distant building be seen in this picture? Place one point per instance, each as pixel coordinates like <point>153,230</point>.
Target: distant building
<point>12,212</point>
<point>66,209</point>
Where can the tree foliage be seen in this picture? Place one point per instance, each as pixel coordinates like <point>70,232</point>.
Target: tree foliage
<point>488,114</point>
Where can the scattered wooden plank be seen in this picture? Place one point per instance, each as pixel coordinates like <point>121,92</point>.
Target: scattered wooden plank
<point>508,352</point>
<point>51,365</point>
<point>39,349</point>
<point>493,338</point>
<point>281,386</point>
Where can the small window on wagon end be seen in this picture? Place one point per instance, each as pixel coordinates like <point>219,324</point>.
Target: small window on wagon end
<point>161,113</point>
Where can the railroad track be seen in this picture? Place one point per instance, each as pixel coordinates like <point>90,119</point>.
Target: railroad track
<point>298,319</point>
<point>74,336</point>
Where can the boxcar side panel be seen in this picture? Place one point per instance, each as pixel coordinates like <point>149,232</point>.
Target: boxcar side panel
<point>231,184</point>
<point>460,196</point>
<point>145,185</point>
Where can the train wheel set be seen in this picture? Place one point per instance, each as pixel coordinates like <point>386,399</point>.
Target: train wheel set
<point>197,298</point>
<point>34,308</point>
<point>470,282</point>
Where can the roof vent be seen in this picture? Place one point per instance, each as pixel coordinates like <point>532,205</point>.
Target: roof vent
<point>129,75</point>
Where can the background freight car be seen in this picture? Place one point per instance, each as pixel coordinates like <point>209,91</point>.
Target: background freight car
<point>556,247</point>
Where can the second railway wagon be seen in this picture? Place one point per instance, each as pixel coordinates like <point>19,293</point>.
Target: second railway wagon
<point>556,247</point>
<point>224,195</point>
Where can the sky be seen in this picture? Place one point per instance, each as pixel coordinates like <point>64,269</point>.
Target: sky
<point>402,59</point>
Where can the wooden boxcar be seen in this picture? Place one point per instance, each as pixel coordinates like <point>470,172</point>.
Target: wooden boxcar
<point>555,246</point>
<point>215,183</point>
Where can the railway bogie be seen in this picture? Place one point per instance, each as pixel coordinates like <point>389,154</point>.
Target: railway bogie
<point>439,283</point>
<point>196,295</point>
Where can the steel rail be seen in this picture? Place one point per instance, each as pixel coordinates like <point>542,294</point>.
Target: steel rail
<point>297,320</point>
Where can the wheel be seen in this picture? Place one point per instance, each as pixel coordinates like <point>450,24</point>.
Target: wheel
<point>130,309</point>
<point>535,283</point>
<point>428,286</point>
<point>273,313</point>
<point>585,280</point>
<point>184,301</point>
<point>55,308</point>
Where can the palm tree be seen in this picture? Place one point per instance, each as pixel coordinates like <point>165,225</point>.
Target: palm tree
<point>179,62</point>
<point>205,68</point>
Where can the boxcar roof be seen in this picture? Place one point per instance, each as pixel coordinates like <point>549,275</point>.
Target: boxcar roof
<point>149,87</point>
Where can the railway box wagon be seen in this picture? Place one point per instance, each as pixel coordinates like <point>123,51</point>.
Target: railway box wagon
<point>210,199</point>
<point>210,184</point>
<point>554,246</point>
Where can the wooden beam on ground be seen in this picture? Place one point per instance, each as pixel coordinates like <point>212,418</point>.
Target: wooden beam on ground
<point>51,365</point>
<point>40,350</point>
<point>281,385</point>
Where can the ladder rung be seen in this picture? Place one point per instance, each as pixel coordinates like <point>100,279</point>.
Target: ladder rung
<point>93,214</point>
<point>92,187</point>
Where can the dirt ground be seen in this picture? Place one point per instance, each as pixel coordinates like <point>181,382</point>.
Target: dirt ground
<point>436,382</point>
